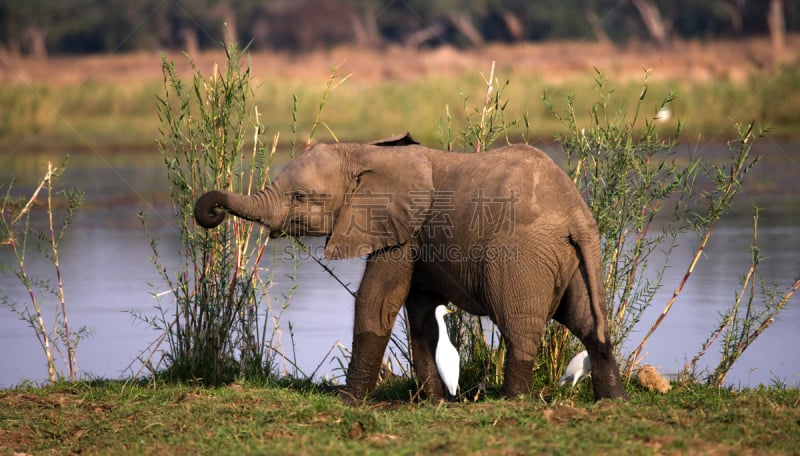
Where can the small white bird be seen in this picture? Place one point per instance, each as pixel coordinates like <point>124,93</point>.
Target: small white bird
<point>663,114</point>
<point>577,369</point>
<point>447,359</point>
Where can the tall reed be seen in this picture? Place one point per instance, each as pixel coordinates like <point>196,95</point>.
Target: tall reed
<point>753,310</point>
<point>217,318</point>
<point>708,207</point>
<point>17,233</point>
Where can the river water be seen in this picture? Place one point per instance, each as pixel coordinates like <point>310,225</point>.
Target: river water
<point>107,274</point>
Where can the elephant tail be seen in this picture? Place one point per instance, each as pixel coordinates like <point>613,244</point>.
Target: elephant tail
<point>588,246</point>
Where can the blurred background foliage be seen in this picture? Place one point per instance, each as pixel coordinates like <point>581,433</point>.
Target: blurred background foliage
<point>45,27</point>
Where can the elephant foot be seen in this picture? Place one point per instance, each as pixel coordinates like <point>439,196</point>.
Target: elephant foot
<point>518,378</point>
<point>349,397</point>
<point>610,391</point>
<point>606,382</point>
<point>431,388</point>
<point>436,398</point>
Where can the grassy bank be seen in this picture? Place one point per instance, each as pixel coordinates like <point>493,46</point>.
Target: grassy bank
<point>113,418</point>
<point>94,114</point>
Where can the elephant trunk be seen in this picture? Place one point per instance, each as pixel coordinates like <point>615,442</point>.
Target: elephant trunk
<point>210,208</point>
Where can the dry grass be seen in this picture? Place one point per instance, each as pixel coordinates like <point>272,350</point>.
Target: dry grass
<point>554,62</point>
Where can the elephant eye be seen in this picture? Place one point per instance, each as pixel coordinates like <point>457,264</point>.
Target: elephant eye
<point>298,197</point>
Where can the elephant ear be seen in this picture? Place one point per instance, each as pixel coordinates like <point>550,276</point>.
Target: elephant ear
<point>390,199</point>
<point>404,139</point>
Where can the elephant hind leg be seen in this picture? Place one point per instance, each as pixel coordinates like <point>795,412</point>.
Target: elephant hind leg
<point>420,307</point>
<point>522,332</point>
<point>521,310</point>
<point>518,372</point>
<point>575,312</point>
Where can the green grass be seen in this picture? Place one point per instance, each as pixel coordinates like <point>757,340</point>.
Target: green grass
<point>98,113</point>
<point>114,418</point>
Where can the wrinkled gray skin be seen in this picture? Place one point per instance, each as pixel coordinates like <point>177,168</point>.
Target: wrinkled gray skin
<point>502,233</point>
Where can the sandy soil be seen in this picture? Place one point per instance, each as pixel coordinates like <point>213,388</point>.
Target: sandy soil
<point>553,61</point>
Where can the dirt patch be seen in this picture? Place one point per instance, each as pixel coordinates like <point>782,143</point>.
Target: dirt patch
<point>563,414</point>
<point>32,400</point>
<point>16,438</point>
<point>553,61</point>
<point>52,401</point>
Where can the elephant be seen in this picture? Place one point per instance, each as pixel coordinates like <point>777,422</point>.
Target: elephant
<point>503,233</point>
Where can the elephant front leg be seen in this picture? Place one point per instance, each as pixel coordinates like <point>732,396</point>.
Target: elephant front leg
<point>383,291</point>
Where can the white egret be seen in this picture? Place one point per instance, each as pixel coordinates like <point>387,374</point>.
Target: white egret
<point>447,359</point>
<point>577,369</point>
<point>663,114</point>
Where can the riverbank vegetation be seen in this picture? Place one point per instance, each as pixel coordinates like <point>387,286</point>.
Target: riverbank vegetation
<point>92,103</point>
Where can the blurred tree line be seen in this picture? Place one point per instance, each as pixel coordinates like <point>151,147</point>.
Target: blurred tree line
<point>42,27</point>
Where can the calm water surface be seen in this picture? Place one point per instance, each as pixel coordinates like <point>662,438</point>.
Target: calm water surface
<point>107,273</point>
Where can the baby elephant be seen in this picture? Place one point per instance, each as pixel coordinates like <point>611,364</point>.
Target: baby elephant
<point>502,233</point>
